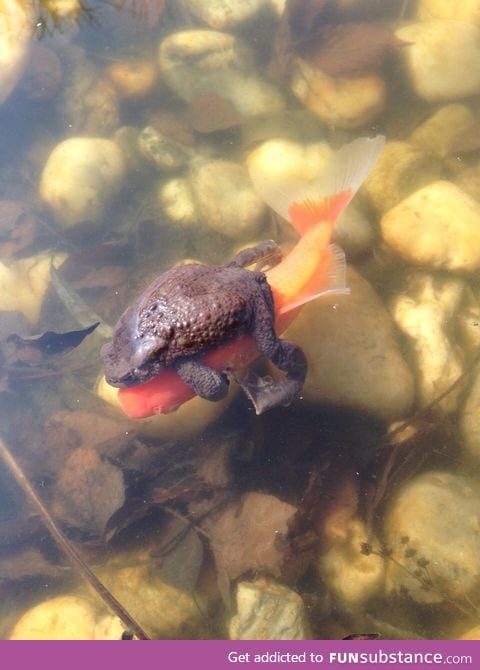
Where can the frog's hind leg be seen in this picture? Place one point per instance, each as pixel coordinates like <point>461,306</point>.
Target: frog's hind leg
<point>265,253</point>
<point>206,383</point>
<point>264,392</point>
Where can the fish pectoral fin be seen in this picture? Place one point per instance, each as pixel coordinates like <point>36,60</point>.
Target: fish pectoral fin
<point>329,279</point>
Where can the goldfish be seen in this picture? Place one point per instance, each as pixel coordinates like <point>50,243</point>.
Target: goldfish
<point>313,268</point>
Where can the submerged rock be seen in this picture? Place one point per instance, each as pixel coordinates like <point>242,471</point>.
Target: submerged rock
<point>424,311</point>
<point>63,618</point>
<point>15,31</point>
<point>442,133</point>
<point>351,574</point>
<point>438,226</point>
<point>353,357</point>
<point>460,10</point>
<point>442,59</point>
<point>432,529</point>
<point>165,153</point>
<point>225,14</point>
<point>267,610</point>
<point>24,283</point>
<point>470,421</point>
<point>343,102</point>
<point>81,177</point>
<point>200,62</point>
<point>401,169</point>
<point>226,200</point>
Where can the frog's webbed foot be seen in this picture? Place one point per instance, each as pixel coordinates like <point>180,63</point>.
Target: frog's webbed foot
<point>264,392</point>
<point>206,383</point>
<point>266,253</point>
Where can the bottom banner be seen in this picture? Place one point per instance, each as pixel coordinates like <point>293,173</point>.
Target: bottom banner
<point>220,655</point>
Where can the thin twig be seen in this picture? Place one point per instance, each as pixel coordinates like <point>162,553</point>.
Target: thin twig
<point>66,546</point>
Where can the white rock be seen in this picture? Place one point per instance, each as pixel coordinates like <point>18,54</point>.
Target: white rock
<point>460,10</point>
<point>342,102</point>
<point>15,32</point>
<point>433,529</point>
<point>443,59</point>
<point>285,159</point>
<point>199,62</point>
<point>439,133</point>
<point>176,199</point>
<point>351,575</point>
<point>225,14</point>
<point>163,152</point>
<point>61,618</point>
<point>424,311</point>
<point>81,177</point>
<point>438,225</point>
<point>350,362</point>
<point>163,610</point>
<point>226,199</point>
<point>267,610</point>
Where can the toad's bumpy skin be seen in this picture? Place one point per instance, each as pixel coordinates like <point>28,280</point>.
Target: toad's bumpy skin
<point>193,308</point>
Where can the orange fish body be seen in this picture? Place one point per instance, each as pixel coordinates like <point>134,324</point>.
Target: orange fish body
<point>313,267</point>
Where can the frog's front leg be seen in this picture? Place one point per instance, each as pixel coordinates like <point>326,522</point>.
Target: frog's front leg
<point>267,252</point>
<point>287,356</point>
<point>206,383</point>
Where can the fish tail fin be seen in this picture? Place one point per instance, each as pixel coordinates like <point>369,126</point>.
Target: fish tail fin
<point>330,279</point>
<point>306,203</point>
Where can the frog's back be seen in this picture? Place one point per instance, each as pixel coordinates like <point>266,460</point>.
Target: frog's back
<point>197,306</point>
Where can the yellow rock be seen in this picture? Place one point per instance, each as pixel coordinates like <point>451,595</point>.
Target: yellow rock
<point>80,178</point>
<point>437,226</point>
<point>15,31</point>
<point>460,10</point>
<point>353,577</point>
<point>191,418</point>
<point>23,284</point>
<point>400,170</point>
<point>134,78</point>
<point>439,133</point>
<point>62,618</point>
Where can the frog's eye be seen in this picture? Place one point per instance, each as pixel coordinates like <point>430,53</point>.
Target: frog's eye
<point>147,348</point>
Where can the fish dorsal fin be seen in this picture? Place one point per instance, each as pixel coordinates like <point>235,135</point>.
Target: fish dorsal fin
<point>330,279</point>
<point>305,203</point>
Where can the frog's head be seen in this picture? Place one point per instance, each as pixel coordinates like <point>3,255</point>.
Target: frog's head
<point>131,358</point>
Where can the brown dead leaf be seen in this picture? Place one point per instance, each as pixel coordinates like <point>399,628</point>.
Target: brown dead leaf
<point>26,564</point>
<point>314,30</point>
<point>350,48</point>
<point>250,534</point>
<point>88,492</point>
<point>19,229</point>
<point>212,112</point>
<point>109,276</point>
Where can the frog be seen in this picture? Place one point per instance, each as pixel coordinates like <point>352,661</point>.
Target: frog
<point>193,308</point>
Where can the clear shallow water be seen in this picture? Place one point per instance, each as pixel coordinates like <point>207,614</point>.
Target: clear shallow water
<point>323,475</point>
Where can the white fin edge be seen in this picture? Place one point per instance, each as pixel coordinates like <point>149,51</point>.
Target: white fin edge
<point>346,169</point>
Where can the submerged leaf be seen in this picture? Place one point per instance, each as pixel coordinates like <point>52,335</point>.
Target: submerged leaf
<point>350,48</point>
<point>19,229</point>
<point>25,564</point>
<point>32,349</point>
<point>251,534</point>
<point>308,28</point>
<point>88,491</point>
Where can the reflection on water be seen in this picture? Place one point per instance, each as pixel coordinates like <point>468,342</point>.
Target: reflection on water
<point>128,130</point>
